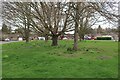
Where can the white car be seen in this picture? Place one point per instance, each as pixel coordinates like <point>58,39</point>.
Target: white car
<point>41,38</point>
<point>7,39</point>
<point>64,38</point>
<point>20,39</point>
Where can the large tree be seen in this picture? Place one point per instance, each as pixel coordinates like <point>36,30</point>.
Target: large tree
<point>17,14</point>
<point>53,18</point>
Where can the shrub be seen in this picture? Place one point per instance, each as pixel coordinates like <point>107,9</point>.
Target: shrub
<point>104,38</point>
<point>69,49</point>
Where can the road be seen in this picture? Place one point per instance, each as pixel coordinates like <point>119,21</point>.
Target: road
<point>4,42</point>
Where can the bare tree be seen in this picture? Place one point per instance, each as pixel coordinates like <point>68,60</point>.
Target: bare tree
<point>18,15</point>
<point>53,18</point>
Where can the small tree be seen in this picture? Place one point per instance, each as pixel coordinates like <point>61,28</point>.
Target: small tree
<point>5,29</point>
<point>99,30</point>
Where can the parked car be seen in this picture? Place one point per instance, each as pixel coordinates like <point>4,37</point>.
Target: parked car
<point>64,38</point>
<point>20,39</point>
<point>7,39</point>
<point>41,38</point>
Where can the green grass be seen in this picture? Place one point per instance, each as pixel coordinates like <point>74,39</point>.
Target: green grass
<point>37,59</point>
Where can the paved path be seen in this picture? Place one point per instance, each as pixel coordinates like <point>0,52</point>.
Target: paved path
<point>4,42</point>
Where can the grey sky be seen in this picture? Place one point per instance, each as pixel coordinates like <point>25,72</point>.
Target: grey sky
<point>62,0</point>
<point>103,25</point>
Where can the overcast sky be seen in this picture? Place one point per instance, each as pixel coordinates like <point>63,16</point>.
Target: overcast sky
<point>103,24</point>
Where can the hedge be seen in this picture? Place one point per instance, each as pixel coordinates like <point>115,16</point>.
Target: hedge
<point>104,38</point>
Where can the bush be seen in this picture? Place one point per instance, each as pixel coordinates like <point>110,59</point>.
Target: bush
<point>69,49</point>
<point>104,38</point>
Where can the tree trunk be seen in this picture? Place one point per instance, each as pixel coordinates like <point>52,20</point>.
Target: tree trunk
<point>82,37</point>
<point>75,47</point>
<point>119,39</point>
<point>54,40</point>
<point>27,32</point>
<point>27,36</point>
<point>27,26</point>
<point>46,38</point>
<point>118,33</point>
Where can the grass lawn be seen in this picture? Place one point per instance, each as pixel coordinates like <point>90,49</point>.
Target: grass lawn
<point>37,59</point>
